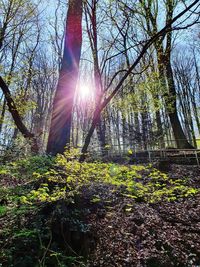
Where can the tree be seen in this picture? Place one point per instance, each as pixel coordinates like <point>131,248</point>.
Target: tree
<point>148,14</point>
<point>148,43</point>
<point>18,23</point>
<point>16,116</point>
<point>92,31</point>
<point>60,128</point>
<point>164,59</point>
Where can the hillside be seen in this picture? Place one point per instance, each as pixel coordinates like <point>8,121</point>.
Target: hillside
<point>59,212</point>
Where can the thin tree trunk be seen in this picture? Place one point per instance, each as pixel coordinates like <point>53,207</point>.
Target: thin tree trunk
<point>2,115</point>
<point>179,135</point>
<point>16,117</point>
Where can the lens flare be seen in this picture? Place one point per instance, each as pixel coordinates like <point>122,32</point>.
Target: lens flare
<point>84,91</point>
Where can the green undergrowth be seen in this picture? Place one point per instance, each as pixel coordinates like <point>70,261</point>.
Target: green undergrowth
<point>24,168</point>
<point>45,198</point>
<point>62,177</point>
<point>67,175</point>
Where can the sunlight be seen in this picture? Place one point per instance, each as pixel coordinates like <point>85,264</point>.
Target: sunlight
<point>84,91</point>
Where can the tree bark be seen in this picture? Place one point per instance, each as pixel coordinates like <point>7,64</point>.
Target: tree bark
<point>2,115</point>
<point>59,136</point>
<point>179,135</point>
<point>16,116</point>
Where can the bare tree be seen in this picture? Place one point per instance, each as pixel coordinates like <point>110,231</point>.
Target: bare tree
<point>155,37</point>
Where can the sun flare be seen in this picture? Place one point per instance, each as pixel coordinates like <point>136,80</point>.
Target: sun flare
<point>84,91</point>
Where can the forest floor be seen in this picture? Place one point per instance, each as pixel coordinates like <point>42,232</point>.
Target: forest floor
<point>141,234</point>
<point>153,222</point>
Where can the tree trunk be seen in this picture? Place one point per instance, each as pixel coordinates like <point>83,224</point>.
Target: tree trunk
<point>59,136</point>
<point>17,118</point>
<point>2,115</point>
<point>179,135</point>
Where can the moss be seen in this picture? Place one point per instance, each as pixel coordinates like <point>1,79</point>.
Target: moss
<point>3,210</point>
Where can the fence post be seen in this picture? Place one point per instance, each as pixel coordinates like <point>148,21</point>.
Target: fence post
<point>149,152</point>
